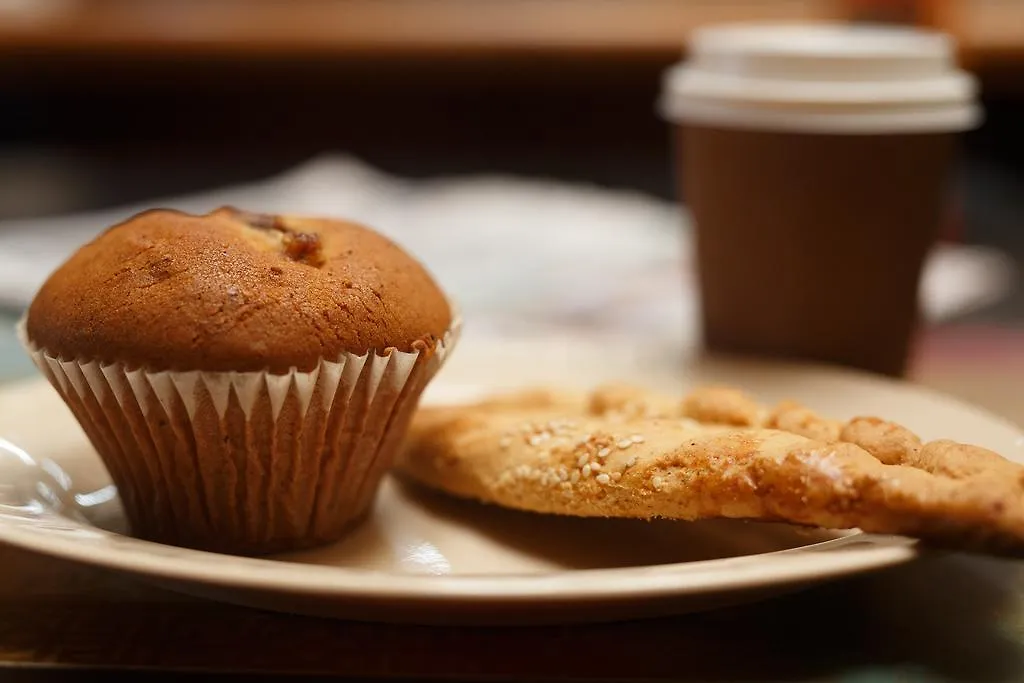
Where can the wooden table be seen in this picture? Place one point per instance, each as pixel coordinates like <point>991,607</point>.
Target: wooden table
<point>260,28</point>
<point>60,614</point>
<point>986,30</point>
<point>941,619</point>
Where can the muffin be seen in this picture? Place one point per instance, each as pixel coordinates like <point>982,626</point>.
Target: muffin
<point>246,378</point>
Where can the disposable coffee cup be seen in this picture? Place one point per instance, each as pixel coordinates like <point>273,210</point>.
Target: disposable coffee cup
<point>814,161</point>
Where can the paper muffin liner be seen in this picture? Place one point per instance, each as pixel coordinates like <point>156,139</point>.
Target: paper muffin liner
<point>246,462</point>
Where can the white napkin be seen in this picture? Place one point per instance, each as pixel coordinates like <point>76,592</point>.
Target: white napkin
<point>520,255</point>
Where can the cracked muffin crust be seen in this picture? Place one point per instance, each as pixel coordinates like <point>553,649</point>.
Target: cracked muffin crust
<point>235,290</point>
<point>716,453</point>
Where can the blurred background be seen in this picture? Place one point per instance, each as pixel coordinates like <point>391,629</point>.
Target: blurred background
<point>105,103</point>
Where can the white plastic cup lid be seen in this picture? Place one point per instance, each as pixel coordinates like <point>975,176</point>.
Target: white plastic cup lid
<point>821,78</point>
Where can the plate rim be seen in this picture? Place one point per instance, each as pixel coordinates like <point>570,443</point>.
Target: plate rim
<point>792,565</point>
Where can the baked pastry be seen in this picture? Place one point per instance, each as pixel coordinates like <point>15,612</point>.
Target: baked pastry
<point>245,377</point>
<point>622,452</point>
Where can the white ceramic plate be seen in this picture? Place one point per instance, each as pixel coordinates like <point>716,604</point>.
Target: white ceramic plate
<point>424,558</point>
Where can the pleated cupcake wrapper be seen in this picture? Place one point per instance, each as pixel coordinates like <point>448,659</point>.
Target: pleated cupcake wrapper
<point>246,462</point>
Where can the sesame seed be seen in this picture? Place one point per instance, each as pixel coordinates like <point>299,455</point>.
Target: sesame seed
<point>540,438</point>
<point>637,438</point>
<point>624,443</point>
<point>585,471</point>
<point>563,474</point>
<point>631,461</point>
<point>656,483</point>
<point>575,476</point>
<point>595,466</point>
<point>582,460</point>
<point>603,478</point>
<point>616,476</point>
<point>604,452</point>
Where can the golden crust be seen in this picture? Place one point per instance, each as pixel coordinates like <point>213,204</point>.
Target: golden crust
<point>622,452</point>
<point>232,290</point>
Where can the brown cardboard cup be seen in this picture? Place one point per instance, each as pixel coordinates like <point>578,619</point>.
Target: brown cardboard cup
<point>815,163</point>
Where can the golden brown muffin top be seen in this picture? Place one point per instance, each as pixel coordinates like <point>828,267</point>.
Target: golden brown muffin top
<point>234,290</point>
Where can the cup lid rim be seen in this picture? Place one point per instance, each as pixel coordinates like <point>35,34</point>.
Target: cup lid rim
<point>921,118</point>
<point>685,80</point>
